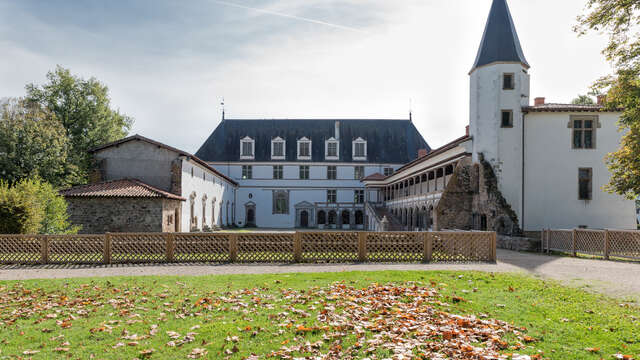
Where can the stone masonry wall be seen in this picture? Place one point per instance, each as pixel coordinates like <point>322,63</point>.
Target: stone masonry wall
<point>100,215</point>
<point>472,198</point>
<point>455,208</point>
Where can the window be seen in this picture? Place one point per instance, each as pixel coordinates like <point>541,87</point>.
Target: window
<point>280,202</point>
<point>507,82</point>
<point>331,149</point>
<point>332,172</point>
<point>358,172</point>
<point>277,172</point>
<point>359,149</point>
<point>277,149</point>
<point>584,129</point>
<point>247,148</point>
<point>192,172</point>
<point>358,196</point>
<point>507,119</point>
<point>304,172</point>
<point>388,171</point>
<point>585,183</point>
<point>332,196</point>
<point>247,172</point>
<point>304,149</point>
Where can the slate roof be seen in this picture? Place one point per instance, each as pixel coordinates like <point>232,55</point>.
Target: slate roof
<point>568,108</point>
<point>500,41</point>
<point>388,141</point>
<point>123,188</point>
<point>137,137</point>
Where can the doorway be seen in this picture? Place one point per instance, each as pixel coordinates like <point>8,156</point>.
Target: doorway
<point>304,219</point>
<point>250,214</point>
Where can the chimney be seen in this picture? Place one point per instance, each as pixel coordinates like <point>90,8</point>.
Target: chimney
<point>539,101</point>
<point>466,130</point>
<point>337,131</point>
<point>422,153</point>
<point>602,99</point>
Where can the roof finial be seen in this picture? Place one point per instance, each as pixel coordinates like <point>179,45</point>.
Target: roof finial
<point>410,110</point>
<point>222,104</point>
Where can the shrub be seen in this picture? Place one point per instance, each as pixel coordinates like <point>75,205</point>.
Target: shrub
<point>32,206</point>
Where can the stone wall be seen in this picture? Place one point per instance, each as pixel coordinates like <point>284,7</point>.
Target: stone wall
<point>472,201</point>
<point>518,243</point>
<point>100,215</point>
<point>455,208</point>
<point>171,215</point>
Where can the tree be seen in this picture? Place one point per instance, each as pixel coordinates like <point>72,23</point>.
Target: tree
<point>583,100</point>
<point>33,143</point>
<point>32,206</point>
<point>84,109</point>
<point>620,19</point>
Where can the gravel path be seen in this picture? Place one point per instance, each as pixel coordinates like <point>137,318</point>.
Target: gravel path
<point>619,279</point>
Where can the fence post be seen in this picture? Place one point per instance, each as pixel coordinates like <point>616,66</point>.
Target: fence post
<point>170,247</point>
<point>362,246</point>
<point>548,232</point>
<point>107,248</point>
<point>233,248</point>
<point>607,244</point>
<point>44,250</point>
<point>427,251</point>
<point>494,246</point>
<point>297,247</point>
<point>573,243</point>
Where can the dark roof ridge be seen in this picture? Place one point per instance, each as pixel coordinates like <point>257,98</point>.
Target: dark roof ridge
<point>165,146</point>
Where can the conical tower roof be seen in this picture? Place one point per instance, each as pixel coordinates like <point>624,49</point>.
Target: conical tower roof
<point>500,41</point>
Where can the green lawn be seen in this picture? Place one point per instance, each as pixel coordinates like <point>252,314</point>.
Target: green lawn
<point>302,314</point>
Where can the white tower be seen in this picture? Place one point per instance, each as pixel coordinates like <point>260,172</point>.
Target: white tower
<point>499,90</point>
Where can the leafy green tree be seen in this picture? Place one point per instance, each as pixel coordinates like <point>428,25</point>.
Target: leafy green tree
<point>33,143</point>
<point>32,206</point>
<point>619,19</point>
<point>583,100</point>
<point>84,108</point>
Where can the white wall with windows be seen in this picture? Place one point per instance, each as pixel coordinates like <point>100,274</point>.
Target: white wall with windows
<point>210,198</point>
<point>257,192</point>
<point>552,169</point>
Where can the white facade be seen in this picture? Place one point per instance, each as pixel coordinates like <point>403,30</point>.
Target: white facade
<point>210,198</point>
<point>551,198</point>
<point>500,145</point>
<point>310,195</point>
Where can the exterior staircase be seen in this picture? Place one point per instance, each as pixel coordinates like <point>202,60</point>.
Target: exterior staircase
<point>394,223</point>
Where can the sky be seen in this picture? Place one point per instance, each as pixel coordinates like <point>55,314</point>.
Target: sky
<point>169,63</point>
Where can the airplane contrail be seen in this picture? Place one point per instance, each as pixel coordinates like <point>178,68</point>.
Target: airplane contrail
<point>290,16</point>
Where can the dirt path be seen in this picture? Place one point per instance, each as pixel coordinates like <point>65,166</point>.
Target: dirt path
<point>618,279</point>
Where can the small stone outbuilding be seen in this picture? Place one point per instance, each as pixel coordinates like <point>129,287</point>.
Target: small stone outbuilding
<point>125,205</point>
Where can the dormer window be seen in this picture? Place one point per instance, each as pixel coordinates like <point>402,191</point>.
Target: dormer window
<point>247,148</point>
<point>331,149</point>
<point>277,148</point>
<point>304,149</point>
<point>359,148</point>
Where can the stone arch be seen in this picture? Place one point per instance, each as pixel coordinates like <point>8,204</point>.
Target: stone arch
<point>250,214</point>
<point>345,218</point>
<point>332,217</point>
<point>193,220</point>
<point>359,217</point>
<point>322,217</point>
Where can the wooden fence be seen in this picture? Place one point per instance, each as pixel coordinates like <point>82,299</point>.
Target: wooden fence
<point>220,247</point>
<point>604,243</point>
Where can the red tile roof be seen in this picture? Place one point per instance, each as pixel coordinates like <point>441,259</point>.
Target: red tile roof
<point>124,188</point>
<point>164,146</point>
<point>373,177</point>
<point>568,108</point>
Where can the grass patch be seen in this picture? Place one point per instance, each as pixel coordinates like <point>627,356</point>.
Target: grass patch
<point>115,318</point>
